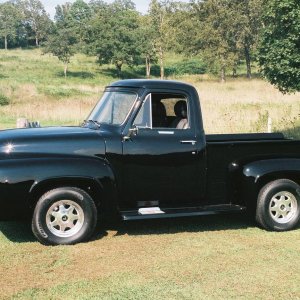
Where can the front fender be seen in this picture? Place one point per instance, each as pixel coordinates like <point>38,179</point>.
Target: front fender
<point>256,174</point>
<point>20,179</point>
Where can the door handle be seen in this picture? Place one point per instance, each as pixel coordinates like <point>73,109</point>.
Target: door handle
<point>192,142</point>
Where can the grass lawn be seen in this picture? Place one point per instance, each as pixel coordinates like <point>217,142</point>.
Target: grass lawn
<point>213,257</point>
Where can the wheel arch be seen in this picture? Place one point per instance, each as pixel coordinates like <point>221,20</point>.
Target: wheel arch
<point>291,175</point>
<point>91,186</point>
<point>256,175</point>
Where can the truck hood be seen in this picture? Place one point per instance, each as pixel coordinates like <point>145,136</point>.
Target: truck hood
<point>48,141</point>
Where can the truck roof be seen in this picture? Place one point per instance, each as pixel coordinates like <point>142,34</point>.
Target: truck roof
<point>151,83</point>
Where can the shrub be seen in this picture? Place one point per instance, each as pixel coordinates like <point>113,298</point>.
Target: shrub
<point>4,100</point>
<point>186,67</point>
<point>261,124</point>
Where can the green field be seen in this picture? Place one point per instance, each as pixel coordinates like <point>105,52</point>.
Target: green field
<point>215,257</point>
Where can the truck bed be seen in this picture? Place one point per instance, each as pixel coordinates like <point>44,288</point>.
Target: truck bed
<point>224,149</point>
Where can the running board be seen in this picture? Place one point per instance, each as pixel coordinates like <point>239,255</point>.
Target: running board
<point>179,212</point>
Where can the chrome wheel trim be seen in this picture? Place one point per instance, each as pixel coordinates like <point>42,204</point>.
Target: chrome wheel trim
<point>65,218</point>
<point>283,207</point>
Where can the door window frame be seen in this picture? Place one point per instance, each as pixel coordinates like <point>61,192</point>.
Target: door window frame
<point>165,130</point>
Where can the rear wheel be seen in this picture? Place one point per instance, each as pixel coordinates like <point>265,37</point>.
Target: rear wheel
<point>64,216</point>
<point>278,205</point>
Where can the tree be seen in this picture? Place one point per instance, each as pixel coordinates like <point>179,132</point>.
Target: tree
<point>97,6</point>
<point>147,43</point>
<point>115,40</point>
<point>223,32</point>
<point>61,14</point>
<point>159,12</point>
<point>214,35</point>
<point>77,18</point>
<point>279,51</point>
<point>248,23</point>
<point>9,20</point>
<point>74,16</point>
<point>61,44</point>
<point>36,18</point>
<point>183,27</point>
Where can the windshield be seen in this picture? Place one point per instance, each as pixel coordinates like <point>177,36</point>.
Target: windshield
<point>113,108</point>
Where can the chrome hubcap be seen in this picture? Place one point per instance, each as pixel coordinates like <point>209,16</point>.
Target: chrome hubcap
<point>65,218</point>
<point>283,207</point>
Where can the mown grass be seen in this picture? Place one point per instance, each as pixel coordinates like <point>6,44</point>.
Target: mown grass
<point>219,257</point>
<point>216,257</point>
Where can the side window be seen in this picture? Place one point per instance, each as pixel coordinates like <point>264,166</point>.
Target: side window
<point>162,110</point>
<point>176,111</point>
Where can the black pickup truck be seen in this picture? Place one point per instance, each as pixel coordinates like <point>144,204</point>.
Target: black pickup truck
<point>142,153</point>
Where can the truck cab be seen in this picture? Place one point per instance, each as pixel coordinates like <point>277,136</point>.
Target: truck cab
<point>163,148</point>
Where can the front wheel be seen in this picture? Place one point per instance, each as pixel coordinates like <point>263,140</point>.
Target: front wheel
<point>64,216</point>
<point>278,205</point>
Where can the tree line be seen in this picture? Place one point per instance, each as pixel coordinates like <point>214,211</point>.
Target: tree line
<point>224,33</point>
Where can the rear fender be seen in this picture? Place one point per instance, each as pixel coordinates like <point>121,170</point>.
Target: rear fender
<point>257,174</point>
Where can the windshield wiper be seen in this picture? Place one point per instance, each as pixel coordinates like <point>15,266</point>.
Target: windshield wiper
<point>92,121</point>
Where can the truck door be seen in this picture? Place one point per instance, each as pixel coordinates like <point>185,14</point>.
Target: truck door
<point>164,160</point>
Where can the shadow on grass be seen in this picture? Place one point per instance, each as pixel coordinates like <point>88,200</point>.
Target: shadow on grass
<point>254,75</point>
<point>176,225</point>
<point>17,231</point>
<point>140,71</point>
<point>83,75</point>
<point>20,231</point>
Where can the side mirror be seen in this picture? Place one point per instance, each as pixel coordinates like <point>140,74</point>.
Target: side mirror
<point>131,132</point>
